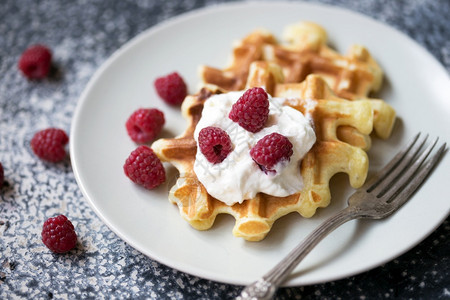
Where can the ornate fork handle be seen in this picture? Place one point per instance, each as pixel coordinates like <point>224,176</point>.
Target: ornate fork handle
<point>266,287</point>
<point>378,198</point>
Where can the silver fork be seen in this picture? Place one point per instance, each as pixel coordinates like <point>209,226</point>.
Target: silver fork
<point>378,198</point>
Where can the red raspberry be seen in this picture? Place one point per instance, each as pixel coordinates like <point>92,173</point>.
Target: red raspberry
<point>49,143</point>
<point>2,176</point>
<point>251,110</point>
<point>214,143</point>
<point>35,62</point>
<point>58,234</point>
<point>171,88</point>
<point>270,150</point>
<point>144,168</point>
<point>145,124</point>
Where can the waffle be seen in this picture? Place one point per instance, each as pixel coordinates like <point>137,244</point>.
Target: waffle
<point>342,130</point>
<point>353,76</point>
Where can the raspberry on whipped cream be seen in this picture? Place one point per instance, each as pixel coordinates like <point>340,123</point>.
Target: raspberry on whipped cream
<point>251,110</point>
<point>270,150</point>
<point>238,177</point>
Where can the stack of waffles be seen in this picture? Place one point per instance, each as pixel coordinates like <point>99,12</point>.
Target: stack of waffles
<point>332,89</point>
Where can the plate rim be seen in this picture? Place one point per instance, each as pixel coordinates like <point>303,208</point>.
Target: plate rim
<point>173,21</point>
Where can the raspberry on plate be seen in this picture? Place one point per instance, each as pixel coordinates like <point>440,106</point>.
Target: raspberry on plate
<point>251,111</point>
<point>2,175</point>
<point>145,124</point>
<point>144,168</point>
<point>214,143</point>
<point>58,234</point>
<point>35,62</point>
<point>270,150</point>
<point>171,88</point>
<point>48,144</point>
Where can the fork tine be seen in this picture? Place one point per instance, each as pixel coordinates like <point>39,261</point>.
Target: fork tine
<point>382,175</point>
<point>407,173</point>
<point>411,186</point>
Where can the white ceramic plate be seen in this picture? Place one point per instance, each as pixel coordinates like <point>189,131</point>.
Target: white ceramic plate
<point>416,85</point>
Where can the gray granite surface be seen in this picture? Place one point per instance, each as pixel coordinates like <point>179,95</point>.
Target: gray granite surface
<point>82,35</point>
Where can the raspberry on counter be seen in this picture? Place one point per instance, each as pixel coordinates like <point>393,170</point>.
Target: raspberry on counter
<point>171,88</point>
<point>48,144</point>
<point>214,143</point>
<point>270,150</point>
<point>144,168</point>
<point>145,124</point>
<point>58,234</point>
<point>35,62</point>
<point>251,111</point>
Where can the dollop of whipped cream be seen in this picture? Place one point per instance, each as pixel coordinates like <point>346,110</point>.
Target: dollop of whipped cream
<point>238,177</point>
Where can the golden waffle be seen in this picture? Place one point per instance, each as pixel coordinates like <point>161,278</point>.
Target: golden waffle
<point>234,77</point>
<point>353,76</point>
<point>254,217</point>
<point>342,128</point>
<point>350,76</point>
<point>304,52</point>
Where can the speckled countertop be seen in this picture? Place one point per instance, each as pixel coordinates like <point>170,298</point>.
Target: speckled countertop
<point>82,35</point>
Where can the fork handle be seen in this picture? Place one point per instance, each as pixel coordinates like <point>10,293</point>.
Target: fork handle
<point>265,287</point>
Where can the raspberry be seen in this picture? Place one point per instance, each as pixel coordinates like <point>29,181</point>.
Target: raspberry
<point>58,234</point>
<point>171,88</point>
<point>145,124</point>
<point>2,175</point>
<point>251,110</point>
<point>214,143</point>
<point>144,168</point>
<point>270,150</point>
<point>35,62</point>
<point>49,143</point>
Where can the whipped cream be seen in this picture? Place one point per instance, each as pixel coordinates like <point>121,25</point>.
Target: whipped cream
<point>238,177</point>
